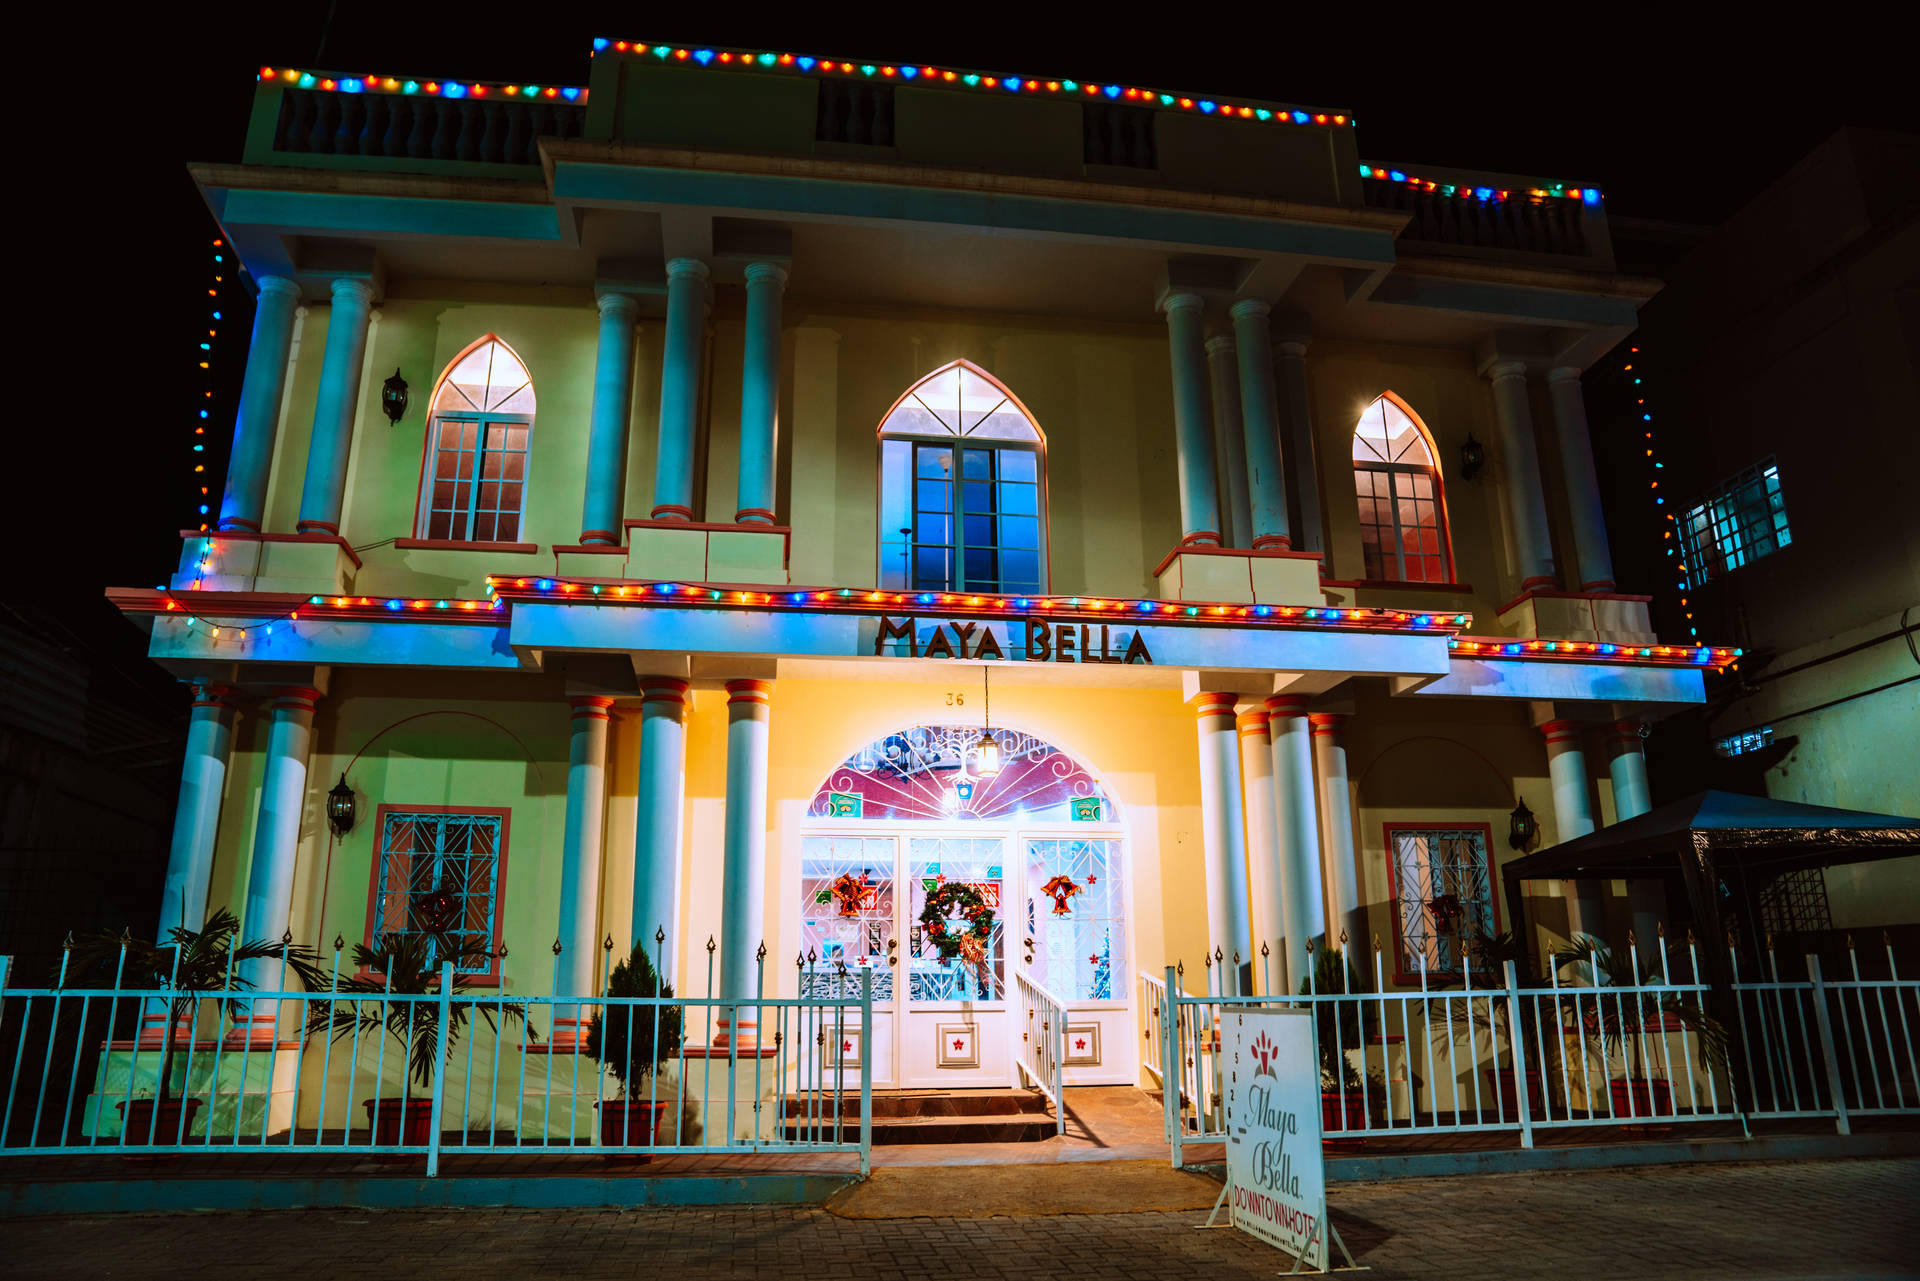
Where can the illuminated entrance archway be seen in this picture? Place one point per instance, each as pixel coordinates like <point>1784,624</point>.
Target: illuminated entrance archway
<point>1040,841</point>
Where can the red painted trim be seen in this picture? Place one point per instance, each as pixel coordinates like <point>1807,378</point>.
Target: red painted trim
<point>1326,724</point>
<point>754,516</point>
<point>1272,542</point>
<point>1539,582</point>
<point>1214,703</point>
<point>710,526</point>
<point>1624,731</point>
<point>213,696</point>
<point>1393,889</point>
<point>600,537</point>
<point>590,549</point>
<point>667,512</point>
<point>665,689</point>
<point>454,545</point>
<point>317,527</point>
<point>1600,588</point>
<point>1394,584</point>
<point>590,706</point>
<point>1201,538</point>
<point>750,690</point>
<point>1281,706</point>
<point>724,1051</point>
<point>492,977</point>
<point>299,697</point>
<point>303,537</point>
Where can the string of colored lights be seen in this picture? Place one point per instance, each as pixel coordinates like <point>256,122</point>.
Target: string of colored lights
<point>1552,191</point>
<point>921,73</point>
<point>1691,655</point>
<point>203,505</point>
<point>1670,525</point>
<point>409,85</point>
<point>201,565</point>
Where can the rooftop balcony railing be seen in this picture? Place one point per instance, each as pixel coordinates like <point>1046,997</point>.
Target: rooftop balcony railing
<point>418,132</point>
<point>1495,216</point>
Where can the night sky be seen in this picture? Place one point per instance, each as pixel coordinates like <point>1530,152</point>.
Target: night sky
<point>1672,122</point>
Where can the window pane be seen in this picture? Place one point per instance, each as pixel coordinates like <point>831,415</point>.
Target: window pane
<point>1019,498</point>
<point>1020,571</point>
<point>932,567</point>
<point>932,496</point>
<point>978,496</point>
<point>976,464</point>
<point>983,567</point>
<point>936,463</point>
<point>1019,531</point>
<point>1019,464</point>
<point>933,529</point>
<point>979,530</point>
<point>483,527</point>
<point>507,528</point>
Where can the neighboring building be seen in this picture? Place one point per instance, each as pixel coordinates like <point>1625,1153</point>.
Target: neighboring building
<point>762,410</point>
<point>1780,368</point>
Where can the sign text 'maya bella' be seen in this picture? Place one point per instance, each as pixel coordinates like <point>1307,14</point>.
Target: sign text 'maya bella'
<point>1033,639</point>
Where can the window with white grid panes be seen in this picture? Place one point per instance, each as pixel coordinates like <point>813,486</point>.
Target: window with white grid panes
<point>847,913</point>
<point>1079,928</point>
<point>962,488</point>
<point>1740,521</point>
<point>474,489</point>
<point>932,860</point>
<point>1443,896</point>
<point>439,874</point>
<point>1403,525</point>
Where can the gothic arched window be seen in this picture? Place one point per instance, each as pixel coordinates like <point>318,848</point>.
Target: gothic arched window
<point>1403,514</point>
<point>474,481</point>
<point>963,487</point>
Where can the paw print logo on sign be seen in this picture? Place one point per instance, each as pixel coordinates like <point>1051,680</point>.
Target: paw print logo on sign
<point>1264,1052</point>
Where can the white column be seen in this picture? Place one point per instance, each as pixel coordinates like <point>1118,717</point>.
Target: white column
<point>660,799</point>
<point>1520,476</point>
<point>1260,409</point>
<point>257,423</point>
<point>1223,835</point>
<point>1229,444</point>
<point>1296,820</point>
<point>1627,765</point>
<point>1303,473</point>
<point>1193,436</point>
<point>336,403</point>
<point>1594,558</point>
<point>1263,849</point>
<point>1573,817</point>
<point>276,845</point>
<point>680,389</point>
<point>744,855</point>
<point>760,394</point>
<point>578,934</point>
<point>609,425</point>
<point>196,822</point>
<point>1336,815</point>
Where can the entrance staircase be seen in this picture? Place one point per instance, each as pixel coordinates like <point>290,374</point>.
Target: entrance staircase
<point>933,1116</point>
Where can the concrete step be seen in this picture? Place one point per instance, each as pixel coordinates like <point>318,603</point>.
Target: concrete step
<point>1018,1127</point>
<point>921,1104</point>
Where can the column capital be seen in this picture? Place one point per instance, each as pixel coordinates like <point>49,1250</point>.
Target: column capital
<point>1214,703</point>
<point>1497,370</point>
<point>1563,374</point>
<point>1630,732</point>
<point>277,287</point>
<point>293,698</point>
<point>1251,721</point>
<point>590,707</point>
<point>1291,348</point>
<point>681,268</point>
<point>1250,307</point>
<point>774,271</point>
<point>356,288</point>
<point>1281,706</point>
<point>670,691</point>
<point>208,694</point>
<point>750,690</point>
<point>1219,343</point>
<point>614,302</point>
<point>1327,724</point>
<point>1182,300</point>
<point>1558,732</point>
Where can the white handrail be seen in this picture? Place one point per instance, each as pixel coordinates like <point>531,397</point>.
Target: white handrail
<point>1042,1049</point>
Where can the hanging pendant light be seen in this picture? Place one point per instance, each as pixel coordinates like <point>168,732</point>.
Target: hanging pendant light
<point>986,753</point>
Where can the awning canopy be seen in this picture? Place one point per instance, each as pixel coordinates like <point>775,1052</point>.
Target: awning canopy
<point>1729,831</point>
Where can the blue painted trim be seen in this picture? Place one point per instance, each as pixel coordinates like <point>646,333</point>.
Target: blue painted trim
<point>166,1194</point>
<point>404,215</point>
<point>1406,288</point>
<point>826,198</point>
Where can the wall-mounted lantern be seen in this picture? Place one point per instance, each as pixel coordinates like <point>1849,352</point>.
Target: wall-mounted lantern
<point>1473,456</point>
<point>393,397</point>
<point>1521,826</point>
<point>340,808</point>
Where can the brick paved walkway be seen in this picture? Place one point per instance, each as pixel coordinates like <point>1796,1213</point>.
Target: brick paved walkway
<point>1806,1219</point>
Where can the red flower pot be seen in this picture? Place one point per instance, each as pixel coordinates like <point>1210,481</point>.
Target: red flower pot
<point>1342,1110</point>
<point>400,1122</point>
<point>625,1124</point>
<point>140,1125</point>
<point>1506,1088</point>
<point>1640,1098</point>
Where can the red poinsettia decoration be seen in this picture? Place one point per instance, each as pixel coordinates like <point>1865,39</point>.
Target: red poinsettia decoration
<point>1062,888</point>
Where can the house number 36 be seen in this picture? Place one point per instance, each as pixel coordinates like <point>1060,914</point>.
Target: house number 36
<point>956,699</point>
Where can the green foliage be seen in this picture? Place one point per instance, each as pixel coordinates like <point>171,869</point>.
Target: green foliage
<point>193,966</point>
<point>957,898</point>
<point>1615,1023</point>
<point>631,1041</point>
<point>1339,1025</point>
<point>409,965</point>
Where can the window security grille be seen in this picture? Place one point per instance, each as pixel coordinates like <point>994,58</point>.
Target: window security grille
<point>440,874</point>
<point>1742,520</point>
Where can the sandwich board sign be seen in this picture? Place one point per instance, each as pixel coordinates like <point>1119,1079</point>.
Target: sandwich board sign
<point>1276,1174</point>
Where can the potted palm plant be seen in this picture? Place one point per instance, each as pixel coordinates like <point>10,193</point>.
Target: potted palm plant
<point>193,967</point>
<point>408,965</point>
<point>1621,1022</point>
<point>633,1042</point>
<point>1339,1026</point>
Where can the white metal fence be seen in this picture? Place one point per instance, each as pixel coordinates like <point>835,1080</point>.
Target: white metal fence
<point>1041,1055</point>
<point>351,1066</point>
<point>1604,1043</point>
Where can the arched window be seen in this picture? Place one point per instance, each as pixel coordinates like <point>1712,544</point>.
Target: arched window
<point>963,471</point>
<point>1403,515</point>
<point>474,483</point>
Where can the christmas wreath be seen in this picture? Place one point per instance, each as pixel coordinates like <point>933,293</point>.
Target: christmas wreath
<point>950,899</point>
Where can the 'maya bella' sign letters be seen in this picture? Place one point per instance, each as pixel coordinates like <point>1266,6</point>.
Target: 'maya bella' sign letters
<point>1276,1176</point>
<point>1033,639</point>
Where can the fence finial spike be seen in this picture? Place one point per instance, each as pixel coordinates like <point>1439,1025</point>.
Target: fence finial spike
<point>761,955</point>
<point>1218,955</point>
<point>126,937</point>
<point>1208,960</point>
<point>1690,938</point>
<point>338,942</point>
<point>1376,942</point>
<point>1631,940</point>
<point>1236,958</point>
<point>1343,937</point>
<point>67,946</point>
<point>1660,929</point>
<point>1309,947</point>
<point>1263,951</point>
<point>799,961</point>
<point>1769,942</point>
<point>1849,940</point>
<point>501,955</point>
<point>1180,969</point>
<point>286,939</point>
<point>659,935</point>
<point>1886,939</point>
<point>556,946</point>
<point>710,945</point>
<point>607,946</point>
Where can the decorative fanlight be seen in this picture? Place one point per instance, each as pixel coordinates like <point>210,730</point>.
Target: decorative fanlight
<point>1473,456</point>
<point>393,397</point>
<point>1521,826</point>
<point>986,753</point>
<point>340,808</point>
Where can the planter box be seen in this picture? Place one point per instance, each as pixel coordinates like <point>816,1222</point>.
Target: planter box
<point>143,1123</point>
<point>624,1124</point>
<point>400,1122</point>
<point>1635,1100</point>
<point>1505,1087</point>
<point>1342,1110</point>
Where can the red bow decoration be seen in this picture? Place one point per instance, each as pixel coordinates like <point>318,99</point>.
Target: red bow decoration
<point>1062,888</point>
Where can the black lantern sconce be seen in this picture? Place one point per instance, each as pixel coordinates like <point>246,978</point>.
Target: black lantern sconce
<point>1521,827</point>
<point>393,397</point>
<point>1473,456</point>
<point>340,808</point>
